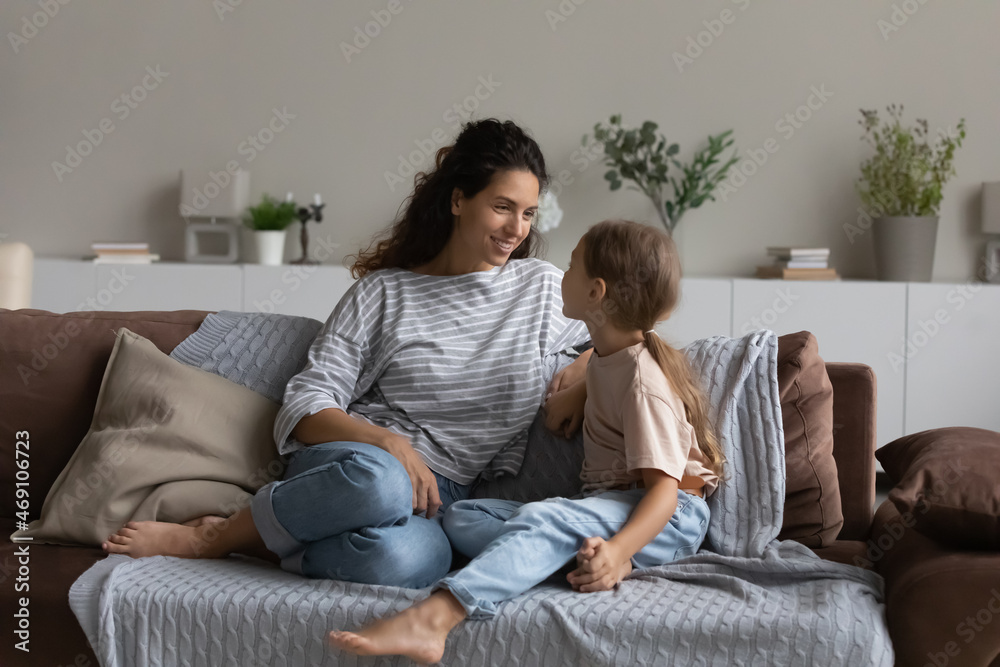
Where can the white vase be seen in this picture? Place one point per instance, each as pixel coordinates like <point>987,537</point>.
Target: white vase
<point>270,247</point>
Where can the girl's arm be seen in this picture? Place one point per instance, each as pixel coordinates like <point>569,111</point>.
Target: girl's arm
<point>649,517</point>
<point>575,372</point>
<point>604,563</point>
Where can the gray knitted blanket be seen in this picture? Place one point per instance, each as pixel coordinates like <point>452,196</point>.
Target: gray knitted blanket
<point>745,599</point>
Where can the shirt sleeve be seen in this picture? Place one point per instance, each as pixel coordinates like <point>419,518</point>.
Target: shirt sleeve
<point>332,375</point>
<point>655,436</point>
<point>562,332</point>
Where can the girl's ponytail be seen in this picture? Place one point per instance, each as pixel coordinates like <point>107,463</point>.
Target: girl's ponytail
<point>678,371</point>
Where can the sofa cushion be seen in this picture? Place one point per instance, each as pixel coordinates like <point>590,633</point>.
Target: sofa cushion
<point>813,513</point>
<point>55,636</point>
<point>168,442</point>
<point>260,351</point>
<point>947,484</point>
<point>51,365</point>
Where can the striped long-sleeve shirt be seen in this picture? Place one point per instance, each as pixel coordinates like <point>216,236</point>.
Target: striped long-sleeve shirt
<point>455,363</point>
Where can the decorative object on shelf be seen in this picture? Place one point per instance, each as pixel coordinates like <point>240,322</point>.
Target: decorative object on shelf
<point>17,270</point>
<point>121,253</point>
<point>901,186</point>
<point>549,212</point>
<point>991,225</point>
<point>642,156</point>
<point>314,212</point>
<point>221,195</point>
<point>796,263</point>
<point>269,219</point>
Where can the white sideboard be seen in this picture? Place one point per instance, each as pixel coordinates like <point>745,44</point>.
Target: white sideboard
<point>932,345</point>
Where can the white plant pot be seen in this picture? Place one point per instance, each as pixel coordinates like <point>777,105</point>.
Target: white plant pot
<point>270,247</point>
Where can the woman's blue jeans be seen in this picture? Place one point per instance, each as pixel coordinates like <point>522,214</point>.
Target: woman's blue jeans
<point>515,546</point>
<point>344,511</point>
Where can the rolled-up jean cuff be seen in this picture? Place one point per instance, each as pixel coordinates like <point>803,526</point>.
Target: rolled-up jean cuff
<point>276,538</point>
<point>474,610</point>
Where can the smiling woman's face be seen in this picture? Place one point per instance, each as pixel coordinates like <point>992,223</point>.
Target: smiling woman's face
<point>494,222</point>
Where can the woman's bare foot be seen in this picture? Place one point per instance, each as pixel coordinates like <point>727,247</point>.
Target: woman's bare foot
<point>202,520</point>
<point>419,632</point>
<point>139,539</point>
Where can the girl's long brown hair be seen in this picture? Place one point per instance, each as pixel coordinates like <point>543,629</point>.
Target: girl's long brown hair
<point>482,149</point>
<point>642,271</point>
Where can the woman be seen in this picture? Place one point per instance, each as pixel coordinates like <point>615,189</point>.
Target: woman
<point>426,375</point>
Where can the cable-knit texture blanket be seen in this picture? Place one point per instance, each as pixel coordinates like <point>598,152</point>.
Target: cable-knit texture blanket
<point>745,599</point>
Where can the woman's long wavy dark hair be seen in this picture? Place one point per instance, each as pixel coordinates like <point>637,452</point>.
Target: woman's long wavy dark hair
<point>482,149</point>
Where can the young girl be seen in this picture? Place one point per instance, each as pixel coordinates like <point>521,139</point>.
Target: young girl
<point>650,458</point>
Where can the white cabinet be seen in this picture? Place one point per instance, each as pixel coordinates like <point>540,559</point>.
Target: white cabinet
<point>857,321</point>
<point>63,286</point>
<point>951,356</point>
<point>703,311</point>
<point>169,286</point>
<point>933,346</point>
<point>309,291</point>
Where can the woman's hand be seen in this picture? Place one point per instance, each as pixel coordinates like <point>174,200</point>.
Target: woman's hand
<point>564,409</point>
<point>601,565</point>
<point>425,488</point>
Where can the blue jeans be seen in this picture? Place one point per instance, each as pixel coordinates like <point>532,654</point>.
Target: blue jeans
<point>515,546</point>
<point>344,510</point>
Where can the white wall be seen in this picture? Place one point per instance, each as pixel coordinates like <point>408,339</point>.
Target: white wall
<point>226,72</point>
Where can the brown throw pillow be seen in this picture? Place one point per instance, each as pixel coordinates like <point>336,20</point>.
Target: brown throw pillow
<point>813,514</point>
<point>948,484</point>
<point>167,442</point>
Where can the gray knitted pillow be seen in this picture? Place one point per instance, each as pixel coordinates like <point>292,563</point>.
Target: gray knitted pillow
<point>259,351</point>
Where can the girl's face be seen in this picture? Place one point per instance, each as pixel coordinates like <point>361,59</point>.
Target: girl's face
<point>580,294</point>
<point>495,222</point>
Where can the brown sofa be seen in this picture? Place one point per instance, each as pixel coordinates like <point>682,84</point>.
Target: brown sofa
<point>51,367</point>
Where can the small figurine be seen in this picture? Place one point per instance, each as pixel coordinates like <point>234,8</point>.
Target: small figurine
<point>314,212</point>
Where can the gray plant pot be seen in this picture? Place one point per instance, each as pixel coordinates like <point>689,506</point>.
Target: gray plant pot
<point>904,247</point>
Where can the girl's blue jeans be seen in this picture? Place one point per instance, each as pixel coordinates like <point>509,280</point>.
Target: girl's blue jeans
<point>515,546</point>
<point>344,510</point>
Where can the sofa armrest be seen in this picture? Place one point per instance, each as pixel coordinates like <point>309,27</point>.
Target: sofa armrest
<point>854,410</point>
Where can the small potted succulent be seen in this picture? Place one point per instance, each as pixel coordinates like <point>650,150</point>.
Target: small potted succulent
<point>269,219</point>
<point>642,156</point>
<point>901,186</point>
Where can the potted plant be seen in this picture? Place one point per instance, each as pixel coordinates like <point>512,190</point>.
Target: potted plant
<point>643,157</point>
<point>268,220</point>
<point>901,184</point>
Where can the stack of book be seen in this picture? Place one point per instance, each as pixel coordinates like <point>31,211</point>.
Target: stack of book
<point>798,264</point>
<point>121,253</point>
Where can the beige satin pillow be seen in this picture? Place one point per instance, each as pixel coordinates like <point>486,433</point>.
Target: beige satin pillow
<point>168,442</point>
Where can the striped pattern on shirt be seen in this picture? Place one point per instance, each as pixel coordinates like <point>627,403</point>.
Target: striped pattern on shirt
<point>455,363</point>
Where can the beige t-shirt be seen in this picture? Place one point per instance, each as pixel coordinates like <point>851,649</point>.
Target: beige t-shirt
<point>634,419</point>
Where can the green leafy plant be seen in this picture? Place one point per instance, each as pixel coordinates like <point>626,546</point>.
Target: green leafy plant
<point>907,173</point>
<point>642,156</point>
<point>270,215</point>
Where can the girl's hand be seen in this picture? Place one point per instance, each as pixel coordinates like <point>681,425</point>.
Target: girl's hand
<point>601,566</point>
<point>425,488</point>
<point>564,410</point>
<point>574,372</point>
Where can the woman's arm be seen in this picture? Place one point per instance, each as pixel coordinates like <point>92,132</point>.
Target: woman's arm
<point>334,424</point>
<point>603,563</point>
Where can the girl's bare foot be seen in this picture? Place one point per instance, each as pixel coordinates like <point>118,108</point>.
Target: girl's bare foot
<point>139,539</point>
<point>419,632</point>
